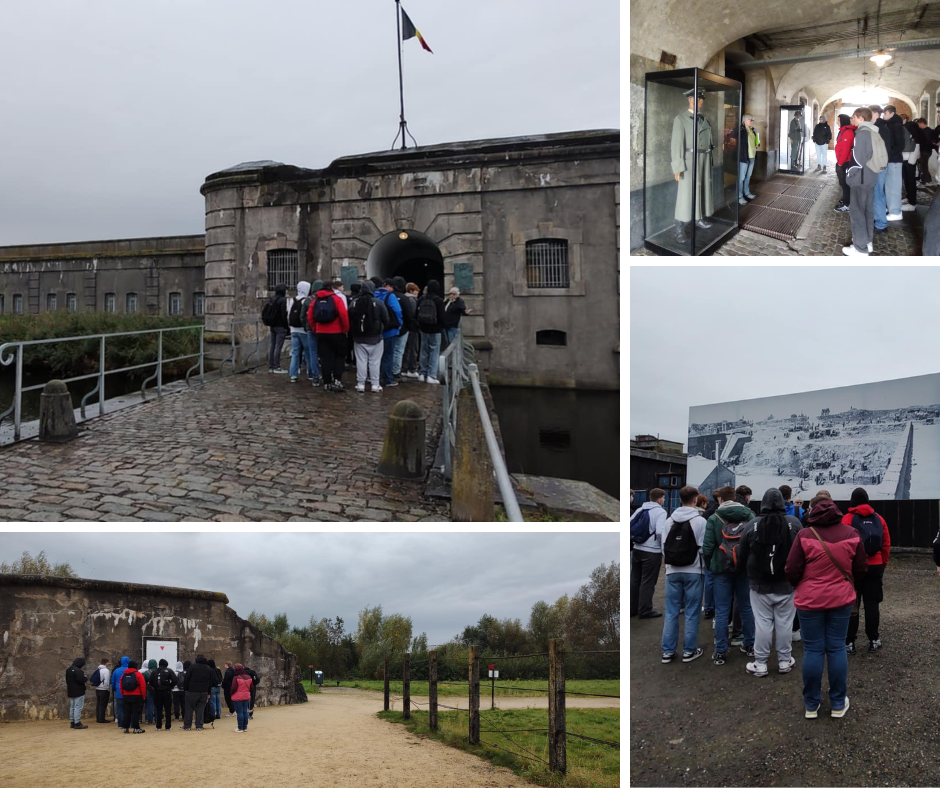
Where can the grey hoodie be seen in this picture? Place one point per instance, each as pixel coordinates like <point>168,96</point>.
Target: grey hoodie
<point>303,290</point>
<point>771,502</point>
<point>179,676</point>
<point>681,515</point>
<point>856,173</point>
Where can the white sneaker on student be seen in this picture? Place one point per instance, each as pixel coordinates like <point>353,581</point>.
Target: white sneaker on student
<point>841,712</point>
<point>797,637</point>
<point>361,387</point>
<point>756,668</point>
<point>908,207</point>
<point>786,667</point>
<point>894,217</point>
<point>870,250</point>
<point>851,250</point>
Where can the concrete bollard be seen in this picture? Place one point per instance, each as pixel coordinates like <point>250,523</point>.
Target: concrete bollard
<point>56,415</point>
<point>403,450</point>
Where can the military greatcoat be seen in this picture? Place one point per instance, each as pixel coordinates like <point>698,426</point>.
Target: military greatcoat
<point>682,162</point>
<point>796,138</point>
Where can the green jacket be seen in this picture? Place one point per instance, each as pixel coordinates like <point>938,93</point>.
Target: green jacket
<point>730,512</point>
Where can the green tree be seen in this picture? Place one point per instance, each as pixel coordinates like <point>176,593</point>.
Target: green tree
<point>379,636</point>
<point>592,618</point>
<point>40,565</point>
<point>547,622</point>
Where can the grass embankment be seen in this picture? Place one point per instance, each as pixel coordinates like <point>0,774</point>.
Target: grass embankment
<point>310,687</point>
<point>589,764</point>
<point>517,689</point>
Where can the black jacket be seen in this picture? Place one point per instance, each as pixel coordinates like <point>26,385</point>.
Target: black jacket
<point>200,677</point>
<point>895,128</point>
<point>75,679</point>
<point>936,549</point>
<point>882,126</point>
<point>227,679</point>
<point>163,667</point>
<point>771,502</point>
<point>453,311</point>
<point>822,133</point>
<point>434,294</point>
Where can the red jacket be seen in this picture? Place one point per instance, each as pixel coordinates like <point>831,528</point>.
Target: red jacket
<point>241,687</point>
<point>338,326</point>
<point>844,143</point>
<point>141,691</point>
<point>819,583</point>
<point>881,557</point>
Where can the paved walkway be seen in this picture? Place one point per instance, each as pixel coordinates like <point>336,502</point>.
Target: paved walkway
<point>247,447</point>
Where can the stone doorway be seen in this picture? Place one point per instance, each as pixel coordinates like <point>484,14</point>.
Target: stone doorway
<point>409,254</point>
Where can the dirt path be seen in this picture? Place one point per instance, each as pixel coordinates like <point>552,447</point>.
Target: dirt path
<point>333,740</point>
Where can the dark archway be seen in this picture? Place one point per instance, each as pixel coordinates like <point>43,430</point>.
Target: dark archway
<point>409,254</point>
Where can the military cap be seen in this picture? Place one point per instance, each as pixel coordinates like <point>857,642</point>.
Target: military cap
<point>689,93</point>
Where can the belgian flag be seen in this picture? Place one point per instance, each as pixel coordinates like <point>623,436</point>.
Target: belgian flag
<point>408,30</point>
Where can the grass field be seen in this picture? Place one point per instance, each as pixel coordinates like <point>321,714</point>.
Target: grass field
<point>310,687</point>
<point>526,753</point>
<point>517,688</point>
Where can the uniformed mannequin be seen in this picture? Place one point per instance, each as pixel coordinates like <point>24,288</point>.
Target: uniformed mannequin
<point>682,156</point>
<point>796,140</point>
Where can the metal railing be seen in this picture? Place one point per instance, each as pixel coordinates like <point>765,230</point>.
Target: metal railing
<point>9,356</point>
<point>232,357</point>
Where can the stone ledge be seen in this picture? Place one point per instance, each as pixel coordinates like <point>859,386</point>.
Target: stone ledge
<point>110,585</point>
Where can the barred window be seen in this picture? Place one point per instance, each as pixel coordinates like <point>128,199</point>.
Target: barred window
<point>71,302</point>
<point>282,268</point>
<point>130,303</point>
<point>546,262</point>
<point>176,304</point>
<point>17,303</point>
<point>52,301</point>
<point>199,304</point>
<point>110,301</point>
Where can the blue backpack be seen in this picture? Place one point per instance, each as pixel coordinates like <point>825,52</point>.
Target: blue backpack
<point>640,527</point>
<point>95,680</point>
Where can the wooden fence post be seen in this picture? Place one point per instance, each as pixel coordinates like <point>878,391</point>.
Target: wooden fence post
<point>557,754</point>
<point>385,676</point>
<point>432,690</point>
<point>474,657</point>
<point>406,686</point>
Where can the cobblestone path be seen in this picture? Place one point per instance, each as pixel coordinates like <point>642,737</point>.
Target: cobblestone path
<point>248,447</point>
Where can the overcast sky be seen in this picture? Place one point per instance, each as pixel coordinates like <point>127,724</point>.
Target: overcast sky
<point>113,112</point>
<point>443,581</point>
<point>701,335</point>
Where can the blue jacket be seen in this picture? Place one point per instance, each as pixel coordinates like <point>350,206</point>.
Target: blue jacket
<point>391,301</point>
<point>795,511</point>
<point>116,677</point>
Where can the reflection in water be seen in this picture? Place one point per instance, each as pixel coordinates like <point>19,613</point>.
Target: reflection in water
<point>562,433</point>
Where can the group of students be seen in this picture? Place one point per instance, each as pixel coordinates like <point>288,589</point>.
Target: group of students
<point>389,326</point>
<point>821,566</point>
<point>151,695</point>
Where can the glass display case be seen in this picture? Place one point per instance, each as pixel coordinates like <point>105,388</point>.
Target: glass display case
<point>690,163</point>
<point>793,138</point>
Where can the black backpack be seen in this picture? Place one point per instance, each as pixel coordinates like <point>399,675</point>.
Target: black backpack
<point>254,676</point>
<point>269,312</point>
<point>128,681</point>
<point>295,317</point>
<point>427,312</point>
<point>95,679</point>
<point>408,308</point>
<point>393,321</point>
<point>730,545</point>
<point>771,547</point>
<point>870,529</point>
<point>164,679</point>
<point>363,320</point>
<point>680,547</point>
<point>324,309</point>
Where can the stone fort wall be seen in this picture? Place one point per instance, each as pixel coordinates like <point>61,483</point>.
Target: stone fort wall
<point>46,622</point>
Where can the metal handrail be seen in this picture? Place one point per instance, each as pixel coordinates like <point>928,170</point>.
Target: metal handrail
<point>231,358</point>
<point>451,372</point>
<point>8,356</point>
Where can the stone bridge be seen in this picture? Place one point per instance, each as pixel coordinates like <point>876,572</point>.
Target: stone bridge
<point>244,447</point>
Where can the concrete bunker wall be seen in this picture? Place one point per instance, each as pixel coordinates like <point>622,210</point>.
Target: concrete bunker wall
<point>46,622</point>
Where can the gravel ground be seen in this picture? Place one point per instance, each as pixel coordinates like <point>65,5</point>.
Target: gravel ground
<point>700,724</point>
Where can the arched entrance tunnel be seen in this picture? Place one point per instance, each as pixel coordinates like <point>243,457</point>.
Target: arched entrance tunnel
<point>785,53</point>
<point>409,254</point>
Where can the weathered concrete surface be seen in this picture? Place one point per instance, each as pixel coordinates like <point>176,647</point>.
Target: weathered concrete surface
<point>570,497</point>
<point>47,622</point>
<point>249,447</point>
<point>56,417</point>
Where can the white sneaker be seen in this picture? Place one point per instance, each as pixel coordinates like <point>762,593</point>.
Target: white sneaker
<point>851,250</point>
<point>786,667</point>
<point>908,207</point>
<point>433,381</point>
<point>361,388</point>
<point>838,713</point>
<point>870,250</point>
<point>421,378</point>
<point>894,217</point>
<point>797,637</point>
<point>757,669</point>
<point>904,201</point>
<point>376,389</point>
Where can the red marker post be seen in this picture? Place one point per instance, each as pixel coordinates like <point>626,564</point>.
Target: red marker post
<point>311,673</point>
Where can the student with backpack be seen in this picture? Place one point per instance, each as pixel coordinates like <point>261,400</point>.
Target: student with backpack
<point>368,317</point>
<point>869,592</point>
<point>646,554</point>
<point>75,680</point>
<point>227,683</point>
<point>178,694</point>
<point>242,691</point>
<point>409,308</point>
<point>764,549</point>
<point>134,692</point>
<point>100,680</point>
<point>825,557</point>
<point>149,711</point>
<point>255,681</point>
<point>116,689</point>
<point>386,294</point>
<point>430,325</point>
<point>162,683</point>
<point>721,549</point>
<point>300,344</point>
<point>330,320</point>
<point>199,680</point>
<point>409,360</point>
<point>681,536</point>
<point>274,316</point>
<point>869,160</point>
<point>215,693</point>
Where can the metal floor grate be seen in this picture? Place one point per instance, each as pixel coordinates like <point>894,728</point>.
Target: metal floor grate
<point>782,205</point>
<point>785,202</point>
<point>770,187</point>
<point>782,225</point>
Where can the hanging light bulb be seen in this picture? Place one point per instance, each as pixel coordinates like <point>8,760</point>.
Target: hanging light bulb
<point>880,58</point>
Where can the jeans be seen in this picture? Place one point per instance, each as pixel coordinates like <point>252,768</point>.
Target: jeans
<point>824,637</point>
<point>893,187</point>
<point>881,217</point>
<point>368,363</point>
<point>102,697</point>
<point>313,371</point>
<point>822,154</point>
<point>870,595</point>
<point>75,709</point>
<point>726,586</point>
<point>744,177</point>
<point>400,344</point>
<point>149,708</point>
<point>772,612</point>
<point>119,710</point>
<point>388,359</point>
<point>682,589</point>
<point>709,603</point>
<point>241,713</point>
<point>451,334</point>
<point>430,352</point>
<point>195,704</point>
<point>300,343</point>
<point>278,335</point>
<point>644,572</point>
<point>215,700</point>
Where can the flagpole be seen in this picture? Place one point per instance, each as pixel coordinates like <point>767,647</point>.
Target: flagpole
<point>402,124</point>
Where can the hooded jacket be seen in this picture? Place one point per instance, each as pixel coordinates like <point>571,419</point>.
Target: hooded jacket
<point>822,133</point>
<point>152,681</point>
<point>682,515</point>
<point>856,173</point>
<point>895,127</point>
<point>657,518</point>
<point>151,667</point>
<point>280,304</point>
<point>105,673</point>
<point>793,510</point>
<point>338,326</point>
<point>434,295</point>
<point>141,690</point>
<point>408,305</point>
<point>382,320</point>
<point>241,685</point>
<point>391,303</point>
<point>116,677</point>
<point>218,673</point>
<point>729,512</point>
<point>180,676</point>
<point>227,679</point>
<point>771,502</point>
<point>881,557</point>
<point>75,679</point>
<point>303,291</point>
<point>845,140</point>
<point>819,580</point>
<point>200,677</point>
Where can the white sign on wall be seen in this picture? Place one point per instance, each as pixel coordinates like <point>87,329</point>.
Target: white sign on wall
<point>161,649</point>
